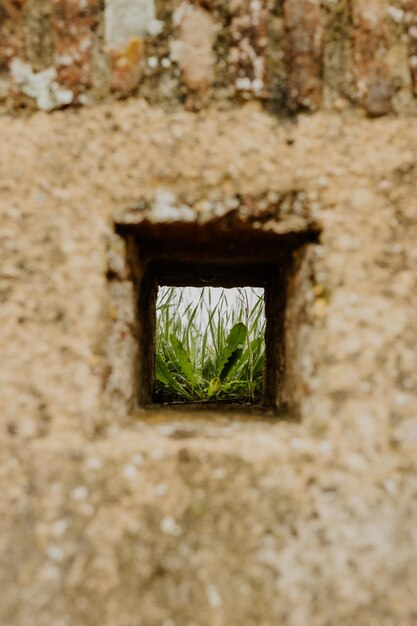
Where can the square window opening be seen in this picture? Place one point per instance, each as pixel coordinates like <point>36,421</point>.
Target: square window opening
<point>176,258</point>
<point>209,345</point>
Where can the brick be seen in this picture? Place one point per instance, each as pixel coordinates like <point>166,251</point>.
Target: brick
<point>370,44</point>
<point>247,57</point>
<point>73,23</point>
<point>194,48</point>
<point>411,21</point>
<point>11,31</point>
<point>304,53</point>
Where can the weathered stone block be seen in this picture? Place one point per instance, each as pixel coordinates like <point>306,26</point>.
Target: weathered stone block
<point>247,57</point>
<point>12,45</point>
<point>38,35</point>
<point>127,19</point>
<point>41,87</point>
<point>370,43</point>
<point>127,22</point>
<point>193,50</point>
<point>411,22</point>
<point>11,31</point>
<point>73,24</point>
<point>127,66</point>
<point>304,53</point>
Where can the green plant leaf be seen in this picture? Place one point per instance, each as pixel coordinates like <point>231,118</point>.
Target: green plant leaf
<point>165,376</point>
<point>258,368</point>
<point>203,349</point>
<point>231,364</point>
<point>232,351</point>
<point>214,386</point>
<point>184,360</point>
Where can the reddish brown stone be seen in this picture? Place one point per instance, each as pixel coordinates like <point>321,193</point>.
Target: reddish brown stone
<point>411,21</point>
<point>370,43</point>
<point>127,67</point>
<point>304,53</point>
<point>11,31</point>
<point>73,23</point>
<point>247,56</point>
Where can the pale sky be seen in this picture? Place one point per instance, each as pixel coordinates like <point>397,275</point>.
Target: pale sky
<point>193,294</point>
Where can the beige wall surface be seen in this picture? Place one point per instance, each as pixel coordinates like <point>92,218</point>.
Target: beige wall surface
<point>146,520</point>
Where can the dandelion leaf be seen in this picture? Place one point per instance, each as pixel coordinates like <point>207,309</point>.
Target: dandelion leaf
<point>232,351</point>
<point>165,376</point>
<point>184,360</point>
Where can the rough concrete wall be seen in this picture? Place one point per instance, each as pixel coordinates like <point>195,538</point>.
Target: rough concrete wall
<point>291,55</point>
<point>188,520</point>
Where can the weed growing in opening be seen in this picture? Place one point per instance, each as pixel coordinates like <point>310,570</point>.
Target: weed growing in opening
<point>209,351</point>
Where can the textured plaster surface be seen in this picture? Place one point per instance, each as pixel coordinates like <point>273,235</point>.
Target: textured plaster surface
<point>181,520</point>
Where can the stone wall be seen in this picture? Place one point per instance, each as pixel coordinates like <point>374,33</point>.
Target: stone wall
<point>129,518</point>
<point>291,55</point>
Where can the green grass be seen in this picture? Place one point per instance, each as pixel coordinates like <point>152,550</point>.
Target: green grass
<point>207,350</point>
